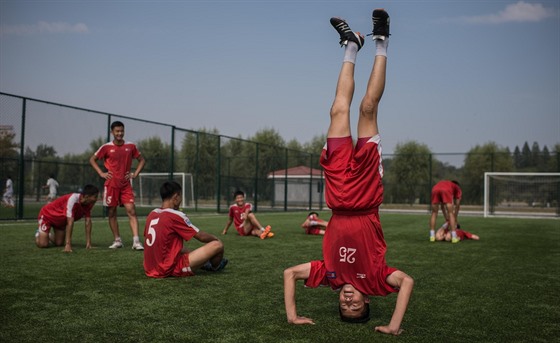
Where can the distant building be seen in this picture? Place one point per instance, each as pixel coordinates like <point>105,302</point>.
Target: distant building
<point>305,187</point>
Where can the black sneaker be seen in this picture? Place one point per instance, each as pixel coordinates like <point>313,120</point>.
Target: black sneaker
<point>346,34</point>
<point>381,23</point>
<point>208,266</point>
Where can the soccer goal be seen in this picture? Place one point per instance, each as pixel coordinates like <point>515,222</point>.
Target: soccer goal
<point>521,194</point>
<point>147,188</point>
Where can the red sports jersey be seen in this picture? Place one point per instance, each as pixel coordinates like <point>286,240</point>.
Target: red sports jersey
<point>117,160</point>
<point>237,213</point>
<point>461,234</point>
<point>353,179</point>
<point>353,246</point>
<point>57,212</point>
<point>445,191</point>
<point>354,253</point>
<point>164,233</point>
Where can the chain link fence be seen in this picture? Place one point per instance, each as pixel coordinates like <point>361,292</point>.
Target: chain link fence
<point>40,138</point>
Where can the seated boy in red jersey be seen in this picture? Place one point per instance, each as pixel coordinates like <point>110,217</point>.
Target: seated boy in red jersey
<point>166,229</point>
<point>61,214</point>
<point>314,225</point>
<point>245,222</point>
<point>353,246</point>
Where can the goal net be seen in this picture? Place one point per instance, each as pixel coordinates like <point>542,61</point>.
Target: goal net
<point>521,194</point>
<point>147,188</point>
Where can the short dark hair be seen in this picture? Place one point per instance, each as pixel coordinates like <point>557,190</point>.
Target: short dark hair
<point>456,182</point>
<point>168,189</point>
<point>238,192</point>
<point>315,213</point>
<point>116,124</point>
<point>363,318</point>
<point>89,190</point>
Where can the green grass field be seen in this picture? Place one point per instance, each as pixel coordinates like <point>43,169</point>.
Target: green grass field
<point>503,288</point>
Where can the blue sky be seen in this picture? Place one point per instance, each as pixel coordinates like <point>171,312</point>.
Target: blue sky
<point>460,73</point>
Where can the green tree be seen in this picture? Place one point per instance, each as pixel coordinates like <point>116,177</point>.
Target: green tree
<point>8,146</point>
<point>517,159</point>
<point>480,159</point>
<point>200,151</point>
<point>270,152</point>
<point>535,156</point>
<point>554,163</point>
<point>408,178</point>
<point>526,157</point>
<point>544,161</point>
<point>297,156</point>
<point>156,153</point>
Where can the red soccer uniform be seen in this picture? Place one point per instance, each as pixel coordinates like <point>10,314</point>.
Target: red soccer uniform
<point>56,213</point>
<point>445,191</point>
<point>353,179</point>
<point>462,234</point>
<point>164,233</point>
<point>117,160</point>
<point>238,213</point>
<point>353,247</point>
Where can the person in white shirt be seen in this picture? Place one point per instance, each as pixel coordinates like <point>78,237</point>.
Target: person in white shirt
<point>52,185</point>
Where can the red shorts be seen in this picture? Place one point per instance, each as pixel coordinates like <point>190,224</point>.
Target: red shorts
<point>241,230</point>
<point>45,226</point>
<point>183,267</point>
<point>113,197</point>
<point>441,196</point>
<point>313,230</point>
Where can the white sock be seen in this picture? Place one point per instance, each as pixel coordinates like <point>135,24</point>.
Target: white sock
<point>381,47</point>
<point>432,233</point>
<point>453,234</point>
<point>136,239</point>
<point>350,52</point>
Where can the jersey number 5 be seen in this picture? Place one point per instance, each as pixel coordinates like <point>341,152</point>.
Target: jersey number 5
<point>347,254</point>
<point>150,240</point>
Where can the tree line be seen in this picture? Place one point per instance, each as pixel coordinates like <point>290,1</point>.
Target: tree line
<point>238,163</point>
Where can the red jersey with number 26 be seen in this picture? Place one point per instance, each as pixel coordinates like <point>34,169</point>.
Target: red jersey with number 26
<point>164,233</point>
<point>117,160</point>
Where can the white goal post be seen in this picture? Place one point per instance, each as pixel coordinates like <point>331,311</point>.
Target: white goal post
<point>521,194</point>
<point>147,188</point>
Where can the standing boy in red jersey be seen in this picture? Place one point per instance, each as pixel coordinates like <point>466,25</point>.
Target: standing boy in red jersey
<point>353,246</point>
<point>118,156</point>
<point>166,229</point>
<point>245,222</point>
<point>447,195</point>
<point>61,214</point>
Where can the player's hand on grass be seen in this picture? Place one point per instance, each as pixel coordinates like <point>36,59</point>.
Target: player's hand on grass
<point>389,331</point>
<point>67,248</point>
<point>301,320</point>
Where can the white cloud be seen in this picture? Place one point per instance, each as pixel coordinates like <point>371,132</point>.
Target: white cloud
<point>43,27</point>
<point>519,12</point>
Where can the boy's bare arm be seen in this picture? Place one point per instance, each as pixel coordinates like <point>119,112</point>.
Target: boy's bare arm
<point>405,284</point>
<point>291,275</point>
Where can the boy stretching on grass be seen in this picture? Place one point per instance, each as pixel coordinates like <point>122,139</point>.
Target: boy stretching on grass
<point>353,246</point>
<point>314,225</point>
<point>245,222</point>
<point>166,229</point>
